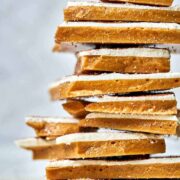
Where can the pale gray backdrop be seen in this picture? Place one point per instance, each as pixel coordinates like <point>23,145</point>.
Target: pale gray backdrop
<point>27,67</point>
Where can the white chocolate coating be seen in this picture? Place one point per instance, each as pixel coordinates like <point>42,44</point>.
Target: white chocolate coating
<point>130,52</point>
<point>34,142</point>
<point>131,116</point>
<point>84,137</point>
<point>51,119</point>
<point>71,163</point>
<point>116,76</point>
<point>147,25</point>
<point>155,97</point>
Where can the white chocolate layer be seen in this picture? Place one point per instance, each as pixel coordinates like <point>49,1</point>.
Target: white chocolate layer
<point>98,3</point>
<point>116,76</point>
<point>77,47</point>
<point>173,48</point>
<point>84,137</point>
<point>155,97</point>
<point>51,119</point>
<point>33,142</point>
<point>71,163</point>
<point>131,116</point>
<point>108,130</point>
<point>173,26</point>
<point>130,52</point>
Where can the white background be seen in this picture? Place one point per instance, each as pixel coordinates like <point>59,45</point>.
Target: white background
<point>27,67</point>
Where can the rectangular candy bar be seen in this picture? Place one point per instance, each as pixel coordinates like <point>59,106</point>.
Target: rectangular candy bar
<point>125,60</point>
<point>153,104</point>
<point>91,85</point>
<point>141,123</point>
<point>100,11</point>
<point>160,168</point>
<point>118,33</point>
<point>93,145</point>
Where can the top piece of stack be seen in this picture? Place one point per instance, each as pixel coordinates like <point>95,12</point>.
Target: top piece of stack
<point>89,10</point>
<point>116,91</point>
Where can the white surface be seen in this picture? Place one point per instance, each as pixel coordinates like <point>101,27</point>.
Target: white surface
<point>115,76</point>
<point>67,163</point>
<point>27,66</point>
<point>34,142</point>
<point>106,98</point>
<point>131,116</point>
<point>51,119</point>
<point>122,25</point>
<point>83,137</point>
<point>137,52</point>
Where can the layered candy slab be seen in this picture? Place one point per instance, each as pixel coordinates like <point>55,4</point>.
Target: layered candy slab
<point>118,33</point>
<point>156,104</point>
<point>93,145</point>
<point>100,11</point>
<point>160,168</point>
<point>152,104</point>
<point>103,84</point>
<point>166,125</point>
<point>124,60</point>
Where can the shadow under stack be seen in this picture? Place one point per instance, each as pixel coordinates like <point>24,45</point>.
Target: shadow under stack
<point>118,97</point>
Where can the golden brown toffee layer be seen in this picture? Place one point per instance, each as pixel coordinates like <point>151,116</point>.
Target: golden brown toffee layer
<point>97,64</point>
<point>78,86</point>
<point>155,107</point>
<point>118,33</point>
<point>140,123</point>
<point>80,108</point>
<point>112,60</point>
<point>91,145</point>
<point>96,11</point>
<point>135,169</point>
